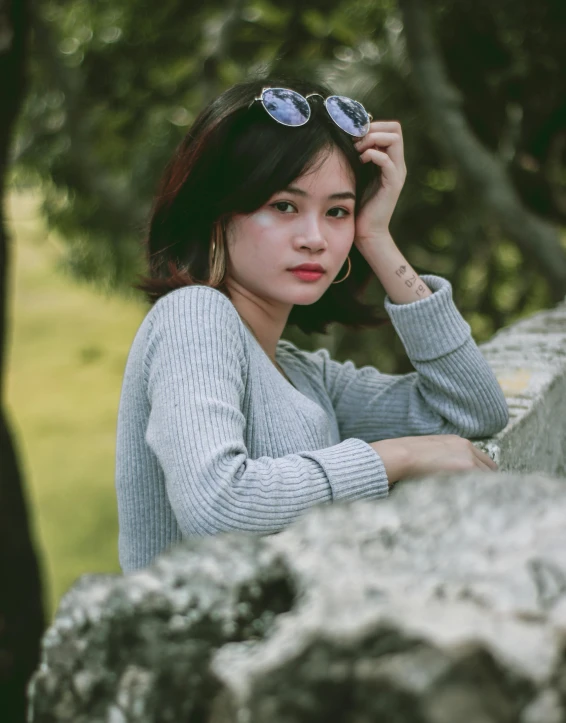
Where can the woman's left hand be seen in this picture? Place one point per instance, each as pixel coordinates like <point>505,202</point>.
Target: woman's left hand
<point>382,145</point>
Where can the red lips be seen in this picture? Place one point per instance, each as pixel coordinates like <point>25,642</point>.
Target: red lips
<point>308,267</point>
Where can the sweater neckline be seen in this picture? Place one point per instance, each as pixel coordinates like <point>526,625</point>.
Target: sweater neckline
<point>278,358</point>
<point>285,374</point>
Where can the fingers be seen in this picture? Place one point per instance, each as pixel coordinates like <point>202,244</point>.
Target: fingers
<point>379,138</point>
<point>483,459</point>
<point>379,157</point>
<point>385,125</point>
<point>483,466</point>
<point>387,135</point>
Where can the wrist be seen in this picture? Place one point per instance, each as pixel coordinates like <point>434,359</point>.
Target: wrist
<point>395,457</point>
<point>375,239</point>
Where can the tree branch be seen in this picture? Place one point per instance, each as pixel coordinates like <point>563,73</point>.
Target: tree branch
<point>221,47</point>
<point>483,173</point>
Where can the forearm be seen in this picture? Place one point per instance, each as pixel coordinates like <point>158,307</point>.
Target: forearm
<point>401,282</point>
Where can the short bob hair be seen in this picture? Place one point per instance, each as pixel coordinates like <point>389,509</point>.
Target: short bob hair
<point>232,160</point>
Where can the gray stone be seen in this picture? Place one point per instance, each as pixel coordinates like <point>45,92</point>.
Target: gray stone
<point>445,602</point>
<point>529,361</point>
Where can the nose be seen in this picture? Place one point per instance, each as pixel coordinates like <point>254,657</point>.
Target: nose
<point>310,232</point>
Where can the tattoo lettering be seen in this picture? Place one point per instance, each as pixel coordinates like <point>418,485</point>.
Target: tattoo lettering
<point>411,281</point>
<point>401,270</point>
<point>420,290</point>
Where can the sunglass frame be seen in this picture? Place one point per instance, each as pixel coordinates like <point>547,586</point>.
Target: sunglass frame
<point>305,98</point>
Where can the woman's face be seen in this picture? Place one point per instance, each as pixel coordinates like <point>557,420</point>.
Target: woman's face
<point>312,221</point>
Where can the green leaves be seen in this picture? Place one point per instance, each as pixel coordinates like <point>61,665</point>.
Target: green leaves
<point>115,86</point>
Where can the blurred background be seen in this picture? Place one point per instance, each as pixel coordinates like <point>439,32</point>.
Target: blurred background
<point>94,98</point>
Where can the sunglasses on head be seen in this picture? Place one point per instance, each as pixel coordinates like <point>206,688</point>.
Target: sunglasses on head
<point>292,109</point>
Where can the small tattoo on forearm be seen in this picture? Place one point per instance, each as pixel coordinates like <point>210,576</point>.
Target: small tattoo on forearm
<point>420,289</point>
<point>401,270</point>
<point>411,281</point>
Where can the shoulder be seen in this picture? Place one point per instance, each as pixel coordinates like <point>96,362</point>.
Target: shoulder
<point>193,325</point>
<point>204,305</point>
<point>189,297</point>
<point>195,315</point>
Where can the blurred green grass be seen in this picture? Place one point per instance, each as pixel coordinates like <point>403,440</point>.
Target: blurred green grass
<point>66,353</point>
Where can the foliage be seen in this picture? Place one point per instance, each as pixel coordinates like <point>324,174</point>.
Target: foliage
<point>115,86</point>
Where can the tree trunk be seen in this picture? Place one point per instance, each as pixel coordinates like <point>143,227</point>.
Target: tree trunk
<point>21,605</point>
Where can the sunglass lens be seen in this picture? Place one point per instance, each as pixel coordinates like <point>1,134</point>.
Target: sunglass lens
<point>350,115</point>
<point>286,106</point>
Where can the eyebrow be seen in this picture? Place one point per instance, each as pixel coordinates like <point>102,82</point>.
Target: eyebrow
<point>300,192</point>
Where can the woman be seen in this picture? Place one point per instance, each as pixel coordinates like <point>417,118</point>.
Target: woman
<point>222,424</point>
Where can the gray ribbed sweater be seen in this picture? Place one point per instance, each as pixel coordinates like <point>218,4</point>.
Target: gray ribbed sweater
<point>211,437</point>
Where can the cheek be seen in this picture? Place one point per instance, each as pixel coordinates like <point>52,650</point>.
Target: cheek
<point>345,232</point>
<point>263,220</point>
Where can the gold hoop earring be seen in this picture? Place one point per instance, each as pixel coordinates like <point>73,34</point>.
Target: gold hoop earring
<point>348,274</point>
<point>217,262</point>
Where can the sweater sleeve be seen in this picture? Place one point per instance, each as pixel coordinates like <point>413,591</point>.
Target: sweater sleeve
<point>195,368</point>
<point>452,391</point>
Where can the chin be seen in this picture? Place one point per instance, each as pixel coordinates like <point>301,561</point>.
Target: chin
<point>308,296</point>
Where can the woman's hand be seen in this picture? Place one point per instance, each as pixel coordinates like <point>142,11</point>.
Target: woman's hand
<point>383,145</point>
<point>423,455</point>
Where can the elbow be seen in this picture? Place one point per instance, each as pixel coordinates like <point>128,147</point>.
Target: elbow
<point>202,521</point>
<point>498,416</point>
<point>494,426</point>
<point>494,419</point>
<point>491,411</point>
<point>491,419</point>
<point>223,513</point>
<point>494,414</point>
<point>504,416</point>
<point>497,412</point>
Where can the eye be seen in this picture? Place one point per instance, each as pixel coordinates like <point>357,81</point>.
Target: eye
<point>343,211</point>
<point>282,203</point>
